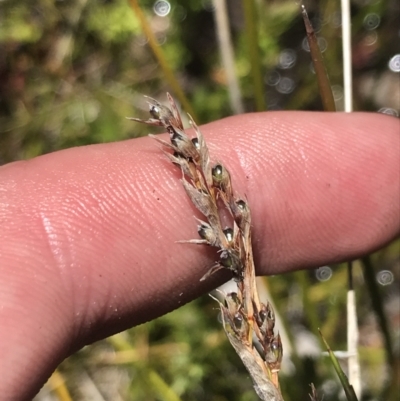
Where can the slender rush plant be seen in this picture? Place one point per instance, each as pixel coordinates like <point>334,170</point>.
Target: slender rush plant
<point>248,323</point>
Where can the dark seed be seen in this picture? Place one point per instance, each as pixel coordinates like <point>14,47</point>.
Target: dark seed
<point>238,320</point>
<point>271,313</point>
<point>207,233</point>
<point>276,348</point>
<point>196,143</point>
<point>226,260</point>
<point>204,231</point>
<point>241,205</point>
<point>234,297</point>
<point>262,315</point>
<point>217,172</point>
<point>228,234</point>
<point>176,139</point>
<point>155,112</point>
<point>273,352</point>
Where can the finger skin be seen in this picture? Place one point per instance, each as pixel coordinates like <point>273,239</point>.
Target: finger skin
<point>88,235</point>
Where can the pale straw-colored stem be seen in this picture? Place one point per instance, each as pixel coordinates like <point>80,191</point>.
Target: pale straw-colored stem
<point>353,362</point>
<point>227,56</point>
<point>352,327</point>
<point>346,45</point>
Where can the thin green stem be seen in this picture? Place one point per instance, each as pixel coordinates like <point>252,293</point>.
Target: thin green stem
<point>377,306</point>
<point>308,308</point>
<point>347,387</point>
<point>160,388</point>
<point>159,55</point>
<point>251,23</point>
<point>227,55</point>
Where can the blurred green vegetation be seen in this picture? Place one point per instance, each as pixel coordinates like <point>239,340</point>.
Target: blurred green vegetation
<point>71,71</point>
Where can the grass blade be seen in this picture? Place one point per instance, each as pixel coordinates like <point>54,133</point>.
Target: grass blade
<point>377,306</point>
<point>251,23</point>
<point>319,66</point>
<point>227,57</point>
<point>57,383</point>
<point>160,387</point>
<point>348,388</point>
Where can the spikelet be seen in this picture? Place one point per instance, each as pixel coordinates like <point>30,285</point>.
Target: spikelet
<point>246,320</point>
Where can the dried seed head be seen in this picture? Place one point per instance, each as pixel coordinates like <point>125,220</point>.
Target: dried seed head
<point>205,184</point>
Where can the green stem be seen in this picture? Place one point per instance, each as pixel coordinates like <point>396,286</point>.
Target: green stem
<point>159,55</point>
<point>377,306</point>
<point>251,23</point>
<point>347,387</point>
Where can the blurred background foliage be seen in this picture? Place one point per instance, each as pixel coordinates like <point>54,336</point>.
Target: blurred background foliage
<point>71,71</point>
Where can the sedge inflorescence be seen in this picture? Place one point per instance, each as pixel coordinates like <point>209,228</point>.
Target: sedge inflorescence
<point>248,323</point>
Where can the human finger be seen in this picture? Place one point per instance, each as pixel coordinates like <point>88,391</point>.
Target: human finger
<point>88,240</point>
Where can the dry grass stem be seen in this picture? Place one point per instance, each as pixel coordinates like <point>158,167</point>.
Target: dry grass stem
<point>248,323</point>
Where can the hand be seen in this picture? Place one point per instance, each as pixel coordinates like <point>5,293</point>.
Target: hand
<point>88,235</point>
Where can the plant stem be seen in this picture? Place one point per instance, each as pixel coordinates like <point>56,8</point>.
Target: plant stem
<point>159,55</point>
<point>251,22</point>
<point>227,57</point>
